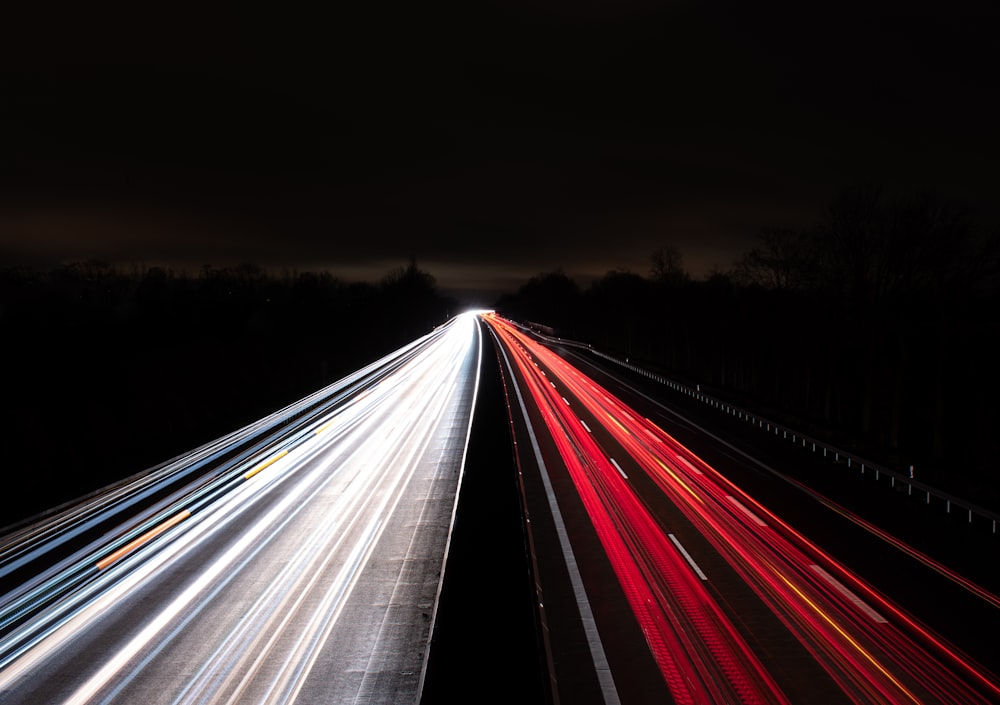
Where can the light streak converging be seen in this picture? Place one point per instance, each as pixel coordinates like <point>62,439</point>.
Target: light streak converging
<point>233,588</point>
<point>699,651</point>
<point>870,648</point>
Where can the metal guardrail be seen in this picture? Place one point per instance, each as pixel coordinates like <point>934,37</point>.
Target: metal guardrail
<point>933,497</point>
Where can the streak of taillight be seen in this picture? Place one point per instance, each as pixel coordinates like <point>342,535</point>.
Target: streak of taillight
<point>717,665</point>
<point>777,561</point>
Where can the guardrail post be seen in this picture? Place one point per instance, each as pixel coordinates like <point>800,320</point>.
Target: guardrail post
<point>719,404</point>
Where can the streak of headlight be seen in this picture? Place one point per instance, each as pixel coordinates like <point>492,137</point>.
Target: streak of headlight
<point>300,660</point>
<point>181,603</point>
<point>100,679</point>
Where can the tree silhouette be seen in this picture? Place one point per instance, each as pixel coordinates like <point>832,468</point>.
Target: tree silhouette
<point>134,367</point>
<point>550,298</point>
<point>874,329</point>
<point>667,267</point>
<point>785,259</point>
<point>618,305</point>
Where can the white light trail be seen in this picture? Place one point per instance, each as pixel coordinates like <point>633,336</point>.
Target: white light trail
<point>264,570</point>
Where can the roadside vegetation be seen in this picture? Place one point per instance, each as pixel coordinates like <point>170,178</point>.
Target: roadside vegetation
<point>109,372</point>
<point>879,327</point>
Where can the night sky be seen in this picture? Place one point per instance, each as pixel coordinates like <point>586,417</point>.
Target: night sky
<point>489,140</point>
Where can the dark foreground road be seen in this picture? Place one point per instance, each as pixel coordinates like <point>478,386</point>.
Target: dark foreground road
<point>485,641</point>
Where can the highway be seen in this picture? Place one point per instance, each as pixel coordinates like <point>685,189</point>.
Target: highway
<point>297,560</point>
<point>660,578</point>
<point>302,558</point>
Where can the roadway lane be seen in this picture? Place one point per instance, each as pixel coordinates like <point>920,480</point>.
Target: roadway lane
<point>314,577</point>
<point>936,565</point>
<point>734,604</point>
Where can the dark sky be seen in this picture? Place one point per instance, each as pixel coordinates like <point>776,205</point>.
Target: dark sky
<point>490,140</point>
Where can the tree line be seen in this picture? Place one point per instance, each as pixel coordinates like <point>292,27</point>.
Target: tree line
<point>109,371</point>
<point>876,329</point>
<point>878,325</point>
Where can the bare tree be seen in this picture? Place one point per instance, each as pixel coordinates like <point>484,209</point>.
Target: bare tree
<point>872,249</point>
<point>785,259</point>
<point>668,266</point>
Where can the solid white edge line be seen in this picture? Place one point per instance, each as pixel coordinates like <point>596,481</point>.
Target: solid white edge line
<point>601,666</point>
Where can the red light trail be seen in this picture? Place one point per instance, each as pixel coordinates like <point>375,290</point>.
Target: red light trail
<point>871,649</point>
